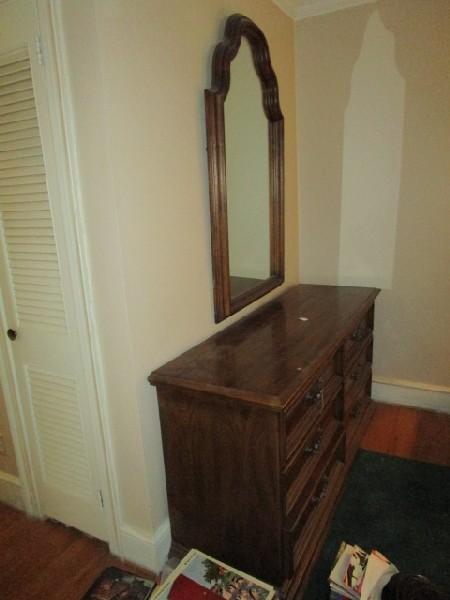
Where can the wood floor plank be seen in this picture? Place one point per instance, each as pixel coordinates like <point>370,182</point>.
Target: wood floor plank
<point>47,560</point>
<point>409,433</point>
<point>433,439</point>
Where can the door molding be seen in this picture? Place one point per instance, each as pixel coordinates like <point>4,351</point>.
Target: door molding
<point>52,46</point>
<point>16,420</point>
<point>50,25</point>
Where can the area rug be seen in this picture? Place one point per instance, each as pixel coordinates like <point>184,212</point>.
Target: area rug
<point>116,584</point>
<point>397,506</point>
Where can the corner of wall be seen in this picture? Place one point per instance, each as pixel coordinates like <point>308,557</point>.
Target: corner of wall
<point>11,491</point>
<point>146,549</point>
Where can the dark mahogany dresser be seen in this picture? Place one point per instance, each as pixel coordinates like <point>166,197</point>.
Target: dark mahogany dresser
<point>260,424</point>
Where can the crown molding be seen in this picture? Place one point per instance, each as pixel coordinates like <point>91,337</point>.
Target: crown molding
<point>321,7</point>
<point>296,9</point>
<point>289,7</point>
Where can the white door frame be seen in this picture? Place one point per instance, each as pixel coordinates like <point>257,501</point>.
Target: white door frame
<point>62,124</point>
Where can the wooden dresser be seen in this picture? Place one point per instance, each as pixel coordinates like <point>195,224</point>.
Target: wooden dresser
<point>260,424</point>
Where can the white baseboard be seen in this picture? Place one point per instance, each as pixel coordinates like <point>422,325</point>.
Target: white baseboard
<point>410,393</point>
<point>149,551</point>
<point>11,491</point>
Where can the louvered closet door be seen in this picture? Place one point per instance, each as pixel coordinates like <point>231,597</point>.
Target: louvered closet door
<point>37,298</point>
<point>26,217</point>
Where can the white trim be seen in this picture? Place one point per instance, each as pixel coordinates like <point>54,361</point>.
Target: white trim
<point>149,551</point>
<point>50,21</point>
<point>11,490</point>
<point>322,7</point>
<point>46,22</point>
<point>287,7</point>
<point>410,393</point>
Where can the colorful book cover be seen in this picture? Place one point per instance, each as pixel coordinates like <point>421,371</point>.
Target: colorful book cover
<point>379,571</point>
<point>355,570</point>
<point>116,584</point>
<point>358,575</point>
<point>341,572</point>
<point>199,576</point>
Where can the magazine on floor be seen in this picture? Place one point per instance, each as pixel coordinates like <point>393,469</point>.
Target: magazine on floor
<point>359,575</point>
<point>201,577</point>
<point>116,584</point>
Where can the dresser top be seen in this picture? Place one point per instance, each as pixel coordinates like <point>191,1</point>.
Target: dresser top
<point>272,353</point>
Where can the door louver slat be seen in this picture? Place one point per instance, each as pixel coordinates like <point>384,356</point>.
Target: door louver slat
<point>26,219</point>
<point>23,105</point>
<point>61,439</point>
<point>18,116</point>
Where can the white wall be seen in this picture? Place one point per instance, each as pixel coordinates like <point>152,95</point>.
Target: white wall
<point>371,162</point>
<point>374,149</point>
<point>137,71</point>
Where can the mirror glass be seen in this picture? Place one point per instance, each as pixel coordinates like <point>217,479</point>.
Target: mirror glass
<point>247,176</point>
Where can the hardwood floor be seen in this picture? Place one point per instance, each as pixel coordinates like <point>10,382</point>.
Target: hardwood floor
<point>44,560</point>
<point>409,433</point>
<point>48,561</point>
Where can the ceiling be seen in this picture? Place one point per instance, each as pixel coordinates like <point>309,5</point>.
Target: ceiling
<point>300,9</point>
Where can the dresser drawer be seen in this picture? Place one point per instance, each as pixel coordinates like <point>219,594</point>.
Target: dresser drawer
<point>355,382</point>
<point>308,408</point>
<point>312,442</point>
<point>307,462</point>
<point>312,534</point>
<point>314,495</point>
<point>355,342</point>
<point>315,485</point>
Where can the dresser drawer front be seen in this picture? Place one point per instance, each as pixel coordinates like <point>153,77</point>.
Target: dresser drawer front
<point>356,341</point>
<point>358,375</point>
<point>358,378</point>
<point>306,542</point>
<point>314,498</point>
<point>307,463</point>
<point>310,406</point>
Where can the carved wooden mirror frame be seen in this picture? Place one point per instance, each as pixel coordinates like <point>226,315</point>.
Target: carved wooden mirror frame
<point>236,27</point>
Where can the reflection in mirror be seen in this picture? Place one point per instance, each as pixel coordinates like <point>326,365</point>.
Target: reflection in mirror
<point>247,174</point>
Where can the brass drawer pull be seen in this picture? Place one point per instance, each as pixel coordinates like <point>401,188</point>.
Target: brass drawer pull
<point>357,373</point>
<point>315,446</point>
<point>360,332</point>
<point>323,491</point>
<point>358,408</point>
<point>316,394</point>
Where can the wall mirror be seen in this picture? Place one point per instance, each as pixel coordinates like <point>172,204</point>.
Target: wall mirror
<point>245,141</point>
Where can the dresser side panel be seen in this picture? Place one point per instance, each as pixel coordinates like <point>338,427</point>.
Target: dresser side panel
<point>223,479</point>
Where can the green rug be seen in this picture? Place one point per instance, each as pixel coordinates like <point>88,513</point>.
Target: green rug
<point>399,507</point>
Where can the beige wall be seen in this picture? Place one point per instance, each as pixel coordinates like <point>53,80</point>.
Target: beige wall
<point>374,147</point>
<point>8,457</point>
<point>137,71</point>
<point>10,489</point>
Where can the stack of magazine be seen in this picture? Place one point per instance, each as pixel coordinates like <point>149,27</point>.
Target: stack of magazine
<point>200,577</point>
<point>359,575</point>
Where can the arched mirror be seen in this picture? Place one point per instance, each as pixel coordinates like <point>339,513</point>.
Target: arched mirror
<point>245,138</point>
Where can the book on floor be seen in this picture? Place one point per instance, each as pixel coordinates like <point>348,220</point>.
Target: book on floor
<point>358,575</point>
<point>199,576</point>
<point>117,584</point>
